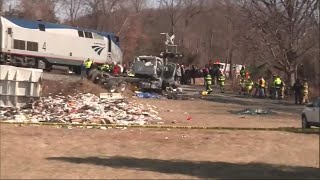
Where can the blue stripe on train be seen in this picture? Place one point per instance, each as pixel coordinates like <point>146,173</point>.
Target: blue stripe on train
<point>35,25</point>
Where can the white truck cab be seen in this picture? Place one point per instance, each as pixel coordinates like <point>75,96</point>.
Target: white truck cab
<point>311,114</point>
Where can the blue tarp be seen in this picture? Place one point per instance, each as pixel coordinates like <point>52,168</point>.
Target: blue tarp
<point>148,95</point>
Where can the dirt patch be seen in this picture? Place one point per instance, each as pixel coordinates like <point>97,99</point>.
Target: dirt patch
<point>59,84</point>
<point>213,114</point>
<point>48,152</point>
<point>51,88</point>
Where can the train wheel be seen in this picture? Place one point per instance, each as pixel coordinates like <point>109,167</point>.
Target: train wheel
<point>77,70</point>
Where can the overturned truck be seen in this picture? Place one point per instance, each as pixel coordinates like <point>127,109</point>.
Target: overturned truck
<point>150,73</point>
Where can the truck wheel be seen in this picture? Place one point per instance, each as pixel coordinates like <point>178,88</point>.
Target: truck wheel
<point>122,86</point>
<point>92,72</point>
<point>165,85</point>
<point>111,86</point>
<point>305,123</point>
<point>95,78</point>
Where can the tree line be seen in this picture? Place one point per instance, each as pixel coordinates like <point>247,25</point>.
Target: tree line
<point>270,36</point>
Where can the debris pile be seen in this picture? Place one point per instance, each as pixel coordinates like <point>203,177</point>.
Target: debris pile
<point>255,112</point>
<point>150,95</point>
<point>169,93</point>
<point>82,108</point>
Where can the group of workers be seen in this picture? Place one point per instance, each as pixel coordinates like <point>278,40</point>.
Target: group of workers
<point>276,88</point>
<point>209,80</point>
<point>113,68</point>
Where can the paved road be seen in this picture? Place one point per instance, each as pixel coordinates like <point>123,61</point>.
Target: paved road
<point>247,102</point>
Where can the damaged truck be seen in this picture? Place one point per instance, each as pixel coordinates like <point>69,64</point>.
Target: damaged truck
<point>151,73</point>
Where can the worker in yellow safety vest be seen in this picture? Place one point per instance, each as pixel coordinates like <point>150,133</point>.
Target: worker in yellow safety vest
<point>86,67</point>
<point>262,87</point>
<point>105,67</point>
<point>248,86</point>
<point>221,80</point>
<point>208,81</point>
<point>305,91</point>
<point>277,87</point>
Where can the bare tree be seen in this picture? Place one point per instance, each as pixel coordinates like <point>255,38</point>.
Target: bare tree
<point>72,9</point>
<point>138,5</point>
<point>173,9</point>
<point>191,9</point>
<point>100,11</point>
<point>38,9</point>
<point>285,27</point>
<point>1,7</point>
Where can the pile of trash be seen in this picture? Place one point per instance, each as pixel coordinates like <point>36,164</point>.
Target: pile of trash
<point>82,108</point>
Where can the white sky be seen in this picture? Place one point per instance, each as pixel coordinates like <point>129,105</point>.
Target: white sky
<point>61,15</point>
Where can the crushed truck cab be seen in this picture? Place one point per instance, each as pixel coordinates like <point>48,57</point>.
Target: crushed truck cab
<point>155,72</point>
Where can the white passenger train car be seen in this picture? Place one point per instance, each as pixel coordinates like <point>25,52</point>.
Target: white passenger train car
<point>41,44</point>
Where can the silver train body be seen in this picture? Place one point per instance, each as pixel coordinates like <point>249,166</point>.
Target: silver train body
<point>40,44</point>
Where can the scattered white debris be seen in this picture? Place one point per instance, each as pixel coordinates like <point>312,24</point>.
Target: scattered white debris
<point>82,109</point>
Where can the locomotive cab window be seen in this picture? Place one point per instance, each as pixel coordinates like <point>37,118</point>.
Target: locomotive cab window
<point>32,46</point>
<point>97,36</point>
<point>19,44</point>
<point>80,33</point>
<point>42,27</point>
<point>88,35</point>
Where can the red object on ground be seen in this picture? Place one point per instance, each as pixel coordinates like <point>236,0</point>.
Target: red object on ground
<point>116,70</point>
<point>189,118</point>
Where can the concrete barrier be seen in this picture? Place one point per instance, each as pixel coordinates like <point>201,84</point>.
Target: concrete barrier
<point>19,85</point>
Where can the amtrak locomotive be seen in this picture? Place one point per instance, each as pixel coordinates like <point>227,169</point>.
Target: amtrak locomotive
<point>39,44</point>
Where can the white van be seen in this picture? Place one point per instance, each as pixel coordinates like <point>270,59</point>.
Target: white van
<point>311,114</point>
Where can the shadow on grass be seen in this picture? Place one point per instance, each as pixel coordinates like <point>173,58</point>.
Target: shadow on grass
<point>201,169</point>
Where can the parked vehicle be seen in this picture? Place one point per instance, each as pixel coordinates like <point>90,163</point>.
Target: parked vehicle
<point>311,114</point>
<point>225,68</point>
